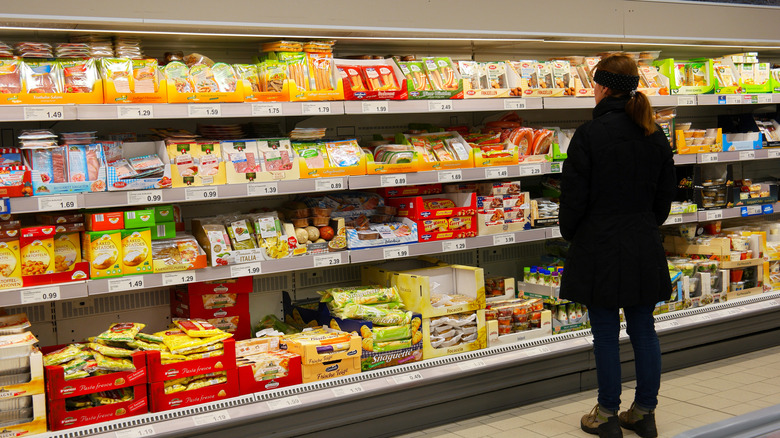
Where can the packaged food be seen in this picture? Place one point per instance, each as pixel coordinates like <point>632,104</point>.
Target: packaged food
<point>103,249</point>
<point>121,332</point>
<point>10,259</point>
<point>10,76</point>
<point>225,77</point>
<point>268,232</point>
<point>352,77</point>
<point>198,328</point>
<point>178,73</point>
<point>109,351</point>
<point>276,154</point>
<point>240,231</point>
<point>37,250</point>
<point>79,76</point>
<point>435,225</point>
<point>272,75</point>
<point>438,203</point>
<point>380,78</point>
<point>111,397</point>
<point>391,333</point>
<point>16,323</point>
<point>441,73</point>
<point>136,251</point>
<point>320,71</point>
<point>340,297</point>
<point>43,77</point>
<point>63,355</point>
<point>416,77</point>
<point>344,153</point>
<point>248,72</point>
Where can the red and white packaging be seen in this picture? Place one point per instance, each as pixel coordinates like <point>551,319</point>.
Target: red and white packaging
<point>160,401</point>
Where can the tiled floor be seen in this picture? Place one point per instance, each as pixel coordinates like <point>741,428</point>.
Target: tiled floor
<point>689,398</point>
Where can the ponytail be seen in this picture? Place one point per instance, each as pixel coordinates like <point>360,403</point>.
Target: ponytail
<point>619,73</point>
<point>640,111</point>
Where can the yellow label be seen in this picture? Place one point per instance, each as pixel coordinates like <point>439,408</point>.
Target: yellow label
<point>67,251</point>
<point>137,251</point>
<point>38,257</point>
<point>10,268</point>
<point>105,254</point>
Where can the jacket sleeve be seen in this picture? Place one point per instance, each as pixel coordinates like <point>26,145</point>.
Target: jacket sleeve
<point>667,185</point>
<point>575,185</point>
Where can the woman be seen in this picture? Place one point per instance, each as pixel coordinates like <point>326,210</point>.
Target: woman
<point>617,187</point>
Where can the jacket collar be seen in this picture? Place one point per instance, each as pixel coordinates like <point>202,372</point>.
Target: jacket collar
<point>609,104</point>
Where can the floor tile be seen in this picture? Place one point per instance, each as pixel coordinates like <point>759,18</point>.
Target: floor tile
<point>508,423</point>
<point>550,428</point>
<point>476,431</point>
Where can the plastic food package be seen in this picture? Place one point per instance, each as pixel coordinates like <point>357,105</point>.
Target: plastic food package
<point>43,77</point>
<point>62,355</point>
<point>344,153</point>
<point>113,363</point>
<point>121,332</point>
<point>240,231</point>
<point>79,76</point>
<point>182,249</point>
<point>197,328</point>
<point>13,324</point>
<point>368,295</point>
<point>10,76</point>
<point>313,154</point>
<point>375,314</point>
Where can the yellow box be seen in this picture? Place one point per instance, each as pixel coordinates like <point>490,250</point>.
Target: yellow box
<point>93,97</point>
<point>173,152</point>
<point>418,287</point>
<point>310,356</point>
<point>37,250</point>
<point>430,352</point>
<point>382,274</point>
<point>10,260</point>
<point>719,247</point>
<point>214,97</point>
<point>104,253</point>
<point>67,251</point>
<point>137,251</point>
<point>374,168</point>
<point>330,370</point>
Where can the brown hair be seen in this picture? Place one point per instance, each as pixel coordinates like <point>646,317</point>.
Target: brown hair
<point>638,106</point>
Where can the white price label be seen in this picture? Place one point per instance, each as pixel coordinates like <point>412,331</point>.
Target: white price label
<point>531,169</point>
<point>262,189</point>
<point>395,252</point>
<point>135,112</point>
<point>709,158</point>
<point>669,324</point>
<point>674,219</point>
<point>733,99</point>
<point>753,210</point>
<point>537,351</point>
<point>325,260</point>
<point>773,153</point>
<point>246,269</point>
<point>204,110</point>
<point>503,239</point>
<point>44,113</point>
<point>326,184</point>
<point>747,155</point>
<point>266,109</point>
<point>440,105</point>
<point>555,232</point>
<point>734,311</point>
<point>514,104</point>
<point>126,283</point>
<point>714,215</point>
<point>171,278</point>
<point>393,180</point>
<point>144,197</point>
<point>686,100</point>
<point>496,172</point>
<point>472,364</point>
<point>201,193</point>
<point>40,294</point>
<point>341,391</point>
<point>764,98</point>
<point>450,176</point>
<point>376,108</point>
<point>771,303</point>
<point>211,417</point>
<point>136,432</point>
<point>60,202</point>
<point>406,378</point>
<point>321,108</point>
<point>701,318</point>
<point>453,245</point>
<point>287,402</point>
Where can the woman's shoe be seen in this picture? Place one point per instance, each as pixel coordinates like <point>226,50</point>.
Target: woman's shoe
<point>640,421</point>
<point>602,423</point>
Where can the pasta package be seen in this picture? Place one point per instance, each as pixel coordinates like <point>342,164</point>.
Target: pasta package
<point>63,355</point>
<point>106,350</point>
<point>375,314</point>
<point>197,328</point>
<point>121,332</point>
<point>240,232</point>
<point>111,397</point>
<point>113,363</point>
<point>363,295</point>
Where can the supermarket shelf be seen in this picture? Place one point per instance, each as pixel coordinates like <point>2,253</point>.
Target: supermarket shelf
<point>493,372</point>
<point>571,102</point>
<point>41,294</point>
<point>18,113</point>
<point>676,100</point>
<point>737,99</point>
<point>424,106</point>
<point>685,159</point>
<point>720,157</point>
<point>205,110</point>
<point>684,218</point>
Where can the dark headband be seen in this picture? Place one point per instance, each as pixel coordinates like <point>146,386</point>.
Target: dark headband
<point>616,81</point>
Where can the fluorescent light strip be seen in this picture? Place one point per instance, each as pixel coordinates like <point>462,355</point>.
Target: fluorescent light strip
<point>634,43</point>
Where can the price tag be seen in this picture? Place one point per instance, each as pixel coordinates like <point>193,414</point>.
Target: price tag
<point>126,283</point>
<point>135,112</point>
<point>204,110</point>
<point>674,219</point>
<point>262,189</point>
<point>406,378</point>
<point>555,232</point>
<point>531,169</point>
<point>771,303</point>
<point>773,153</point>
<point>503,239</point>
<point>701,318</point>
<point>514,104</point>
<point>747,155</point>
<point>136,432</point>
<point>144,197</point>
<point>734,311</point>
<point>496,172</point>
<point>325,260</point>
<point>315,108</point>
<point>450,176</point>
<point>246,269</point>
<point>709,158</point>
<point>282,403</point>
<point>669,324</point>
<point>395,252</point>
<point>326,184</point>
<point>341,391</point>
<point>61,202</point>
<point>537,351</point>
<point>686,100</point>
<point>375,107</point>
<point>392,180</point>
<point>40,294</point>
<point>733,99</point>
<point>211,417</point>
<point>714,215</point>
<point>171,278</point>
<point>472,364</point>
<point>201,193</point>
<point>453,245</point>
<point>439,105</point>
<point>764,98</point>
<point>753,210</point>
<point>44,113</point>
<point>266,109</point>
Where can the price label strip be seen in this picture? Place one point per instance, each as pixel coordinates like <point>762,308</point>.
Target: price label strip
<point>686,100</point>
<point>555,232</point>
<point>201,193</point>
<point>341,391</point>
<point>327,184</point>
<point>496,172</point>
<point>40,294</point>
<point>393,180</point>
<point>453,245</point>
<point>537,351</point>
<point>440,105</point>
<point>395,252</point>
<point>773,153</point>
<point>701,318</point>
<point>674,219</point>
<point>211,417</point>
<point>531,170</point>
<point>287,402</point>
<point>266,109</point>
<point>126,283</point>
<point>503,239</point>
<point>262,189</point>
<point>135,112</point>
<point>747,155</point>
<point>406,378</point>
<point>471,364</point>
<point>246,269</point>
<point>375,108</point>
<point>514,104</point>
<point>325,260</point>
<point>318,108</point>
<point>61,202</point>
<point>44,113</point>
<point>714,215</point>
<point>709,158</point>
<point>136,432</point>
<point>450,176</point>
<point>764,98</point>
<point>171,278</point>
<point>204,110</point>
<point>144,197</point>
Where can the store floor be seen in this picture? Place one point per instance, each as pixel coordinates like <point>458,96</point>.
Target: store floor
<point>689,398</point>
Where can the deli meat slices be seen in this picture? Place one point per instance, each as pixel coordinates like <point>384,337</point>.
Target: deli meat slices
<point>10,76</point>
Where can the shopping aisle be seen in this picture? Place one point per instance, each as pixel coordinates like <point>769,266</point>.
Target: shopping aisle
<point>690,398</point>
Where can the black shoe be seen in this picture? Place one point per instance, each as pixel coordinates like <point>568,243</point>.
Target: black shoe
<point>598,424</point>
<point>643,425</point>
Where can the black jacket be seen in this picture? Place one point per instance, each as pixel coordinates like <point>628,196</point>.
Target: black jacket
<point>617,188</point>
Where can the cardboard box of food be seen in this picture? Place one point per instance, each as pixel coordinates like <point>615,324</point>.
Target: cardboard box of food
<point>59,417</point>
<point>59,388</point>
<point>421,289</point>
<point>432,348</point>
<point>160,401</point>
<point>159,372</point>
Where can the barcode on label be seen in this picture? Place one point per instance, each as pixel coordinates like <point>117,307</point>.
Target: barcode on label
<point>130,214</point>
<point>160,230</point>
<point>98,218</point>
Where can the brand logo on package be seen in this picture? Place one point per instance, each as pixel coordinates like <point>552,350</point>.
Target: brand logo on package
<point>425,214</point>
<point>272,385</point>
<point>352,353</point>
<point>175,402</point>
<point>171,373</point>
<point>360,94</point>
<point>331,368</point>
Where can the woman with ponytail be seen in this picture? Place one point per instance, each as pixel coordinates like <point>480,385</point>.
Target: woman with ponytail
<point>617,187</point>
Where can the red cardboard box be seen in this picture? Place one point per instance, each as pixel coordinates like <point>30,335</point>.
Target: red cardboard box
<point>158,372</point>
<point>160,401</point>
<point>58,388</point>
<point>415,207</point>
<point>105,221</point>
<point>248,385</point>
<point>59,218</point>
<point>227,311</point>
<point>241,285</point>
<point>426,189</point>
<point>59,417</point>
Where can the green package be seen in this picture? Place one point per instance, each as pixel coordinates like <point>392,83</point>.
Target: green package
<point>382,347</point>
<point>374,314</point>
<point>139,219</point>
<point>392,333</point>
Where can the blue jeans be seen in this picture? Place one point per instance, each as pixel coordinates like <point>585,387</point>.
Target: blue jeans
<point>605,325</point>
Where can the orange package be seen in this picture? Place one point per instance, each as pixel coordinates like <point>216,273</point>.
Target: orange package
<point>380,78</point>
